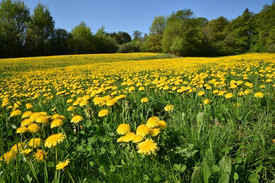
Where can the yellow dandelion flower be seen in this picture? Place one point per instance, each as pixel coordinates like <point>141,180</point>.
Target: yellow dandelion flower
<point>40,155</point>
<point>26,114</point>
<point>56,123</point>
<point>129,137</point>
<point>62,165</point>
<point>201,93</point>
<point>122,96</point>
<point>26,151</point>
<point>22,129</point>
<point>16,112</point>
<point>76,119</point>
<point>17,147</point>
<point>26,122</point>
<point>33,128</point>
<point>54,139</point>
<point>120,139</point>
<point>42,119</point>
<point>152,122</point>
<point>273,141</point>
<point>206,101</point>
<point>162,124</point>
<point>137,139</point>
<point>123,129</point>
<point>55,116</point>
<point>169,108</point>
<point>103,112</point>
<point>144,100</point>
<point>229,95</point>
<point>259,95</point>
<point>71,108</point>
<point>154,132</point>
<point>69,101</point>
<point>34,116</point>
<point>111,102</point>
<point>9,156</point>
<point>35,142</point>
<point>147,147</point>
<point>83,103</point>
<point>142,130</point>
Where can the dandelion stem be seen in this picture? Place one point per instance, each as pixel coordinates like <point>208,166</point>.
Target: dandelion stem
<point>70,176</point>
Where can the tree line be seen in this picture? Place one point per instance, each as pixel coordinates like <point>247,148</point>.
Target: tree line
<point>181,33</point>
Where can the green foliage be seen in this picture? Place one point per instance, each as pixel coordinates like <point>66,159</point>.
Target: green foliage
<point>40,28</point>
<point>133,46</point>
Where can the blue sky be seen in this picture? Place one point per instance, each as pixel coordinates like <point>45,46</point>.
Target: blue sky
<point>129,15</point>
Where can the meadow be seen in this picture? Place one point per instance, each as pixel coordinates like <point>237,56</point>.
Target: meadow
<point>137,117</point>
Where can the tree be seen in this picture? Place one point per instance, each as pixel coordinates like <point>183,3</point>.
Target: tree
<point>82,39</point>
<point>40,28</point>
<point>153,41</point>
<point>13,25</point>
<point>137,35</point>
<point>120,37</point>
<point>183,27</point>
<point>59,42</point>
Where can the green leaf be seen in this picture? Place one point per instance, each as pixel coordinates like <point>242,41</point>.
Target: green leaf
<point>224,178</point>
<point>91,163</point>
<point>88,123</point>
<point>215,168</point>
<point>254,178</point>
<point>205,171</point>
<point>236,176</point>
<point>225,165</point>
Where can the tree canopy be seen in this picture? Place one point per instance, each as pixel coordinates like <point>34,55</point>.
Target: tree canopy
<point>180,33</point>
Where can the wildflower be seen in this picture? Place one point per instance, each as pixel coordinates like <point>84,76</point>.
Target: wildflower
<point>273,141</point>
<point>55,116</point>
<point>71,108</point>
<point>62,165</point>
<point>76,119</point>
<point>16,112</point>
<point>147,147</point>
<point>144,100</point>
<point>35,142</point>
<point>111,102</point>
<point>162,124</point>
<point>103,112</point>
<point>129,137</point>
<point>169,108</point>
<point>17,147</point>
<point>120,139</point>
<point>142,130</point>
<point>42,119</point>
<point>69,101</point>
<point>123,129</point>
<point>8,156</point>
<point>83,103</point>
<point>21,129</point>
<point>229,95</point>
<point>259,95</point>
<point>40,155</point>
<point>54,139</point>
<point>206,101</point>
<point>137,139</point>
<point>26,151</point>
<point>201,93</point>
<point>56,123</point>
<point>26,114</point>
<point>33,128</point>
<point>152,122</point>
<point>154,132</point>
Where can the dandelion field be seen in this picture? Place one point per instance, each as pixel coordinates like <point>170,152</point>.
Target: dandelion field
<point>138,117</point>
